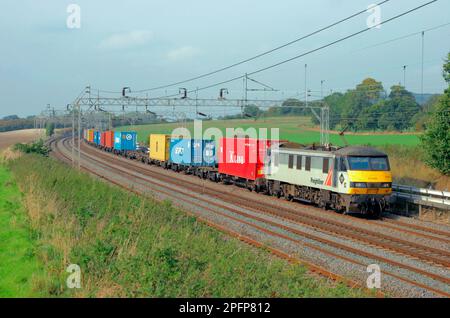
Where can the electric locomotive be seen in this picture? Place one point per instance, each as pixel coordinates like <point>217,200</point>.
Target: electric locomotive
<point>348,179</point>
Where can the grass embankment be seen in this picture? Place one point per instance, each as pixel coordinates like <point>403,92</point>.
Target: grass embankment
<point>20,269</point>
<point>408,167</point>
<point>128,245</point>
<point>293,128</point>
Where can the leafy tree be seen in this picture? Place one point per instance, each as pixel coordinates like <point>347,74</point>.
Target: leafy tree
<point>292,106</point>
<point>357,101</point>
<point>370,90</point>
<point>11,117</point>
<point>436,140</point>
<point>403,107</point>
<point>420,119</point>
<point>49,129</point>
<point>252,110</point>
<point>446,69</point>
<point>336,103</point>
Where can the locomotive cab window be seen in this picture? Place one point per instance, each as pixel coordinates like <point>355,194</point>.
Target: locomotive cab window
<point>276,158</point>
<point>325,166</point>
<point>308,163</point>
<point>342,165</point>
<point>368,163</point>
<point>291,161</point>
<point>299,162</point>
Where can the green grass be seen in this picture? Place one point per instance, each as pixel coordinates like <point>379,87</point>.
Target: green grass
<point>294,129</point>
<point>18,263</point>
<point>132,246</point>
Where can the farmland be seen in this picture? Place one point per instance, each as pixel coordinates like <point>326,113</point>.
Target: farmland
<point>295,129</point>
<point>12,137</point>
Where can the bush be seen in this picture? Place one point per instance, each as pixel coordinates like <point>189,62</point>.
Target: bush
<point>436,140</point>
<point>37,147</point>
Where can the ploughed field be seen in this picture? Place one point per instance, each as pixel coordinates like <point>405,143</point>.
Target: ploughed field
<point>10,138</point>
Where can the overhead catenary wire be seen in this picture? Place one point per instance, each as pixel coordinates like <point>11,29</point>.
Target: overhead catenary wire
<point>310,51</point>
<point>404,36</point>
<point>253,57</point>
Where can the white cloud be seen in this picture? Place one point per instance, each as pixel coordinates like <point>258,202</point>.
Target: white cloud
<point>127,39</point>
<point>183,52</point>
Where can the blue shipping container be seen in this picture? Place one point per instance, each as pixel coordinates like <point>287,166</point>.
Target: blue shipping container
<point>125,140</point>
<point>97,135</point>
<point>192,152</point>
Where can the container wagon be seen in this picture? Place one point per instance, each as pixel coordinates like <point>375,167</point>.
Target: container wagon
<point>90,135</point>
<point>193,156</point>
<point>102,140</point>
<point>125,143</point>
<point>97,136</point>
<point>159,150</point>
<point>109,141</point>
<point>241,161</point>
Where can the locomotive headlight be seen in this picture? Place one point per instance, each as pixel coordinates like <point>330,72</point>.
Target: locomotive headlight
<point>386,185</point>
<point>358,185</point>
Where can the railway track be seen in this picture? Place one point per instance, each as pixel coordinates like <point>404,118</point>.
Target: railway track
<point>334,227</point>
<point>249,211</point>
<point>312,267</point>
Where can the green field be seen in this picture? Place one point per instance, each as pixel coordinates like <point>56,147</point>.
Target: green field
<point>19,267</point>
<point>132,246</point>
<point>295,129</point>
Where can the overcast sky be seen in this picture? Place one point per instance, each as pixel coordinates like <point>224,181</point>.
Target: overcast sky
<point>143,44</point>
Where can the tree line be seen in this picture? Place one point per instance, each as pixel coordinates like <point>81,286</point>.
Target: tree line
<point>367,107</point>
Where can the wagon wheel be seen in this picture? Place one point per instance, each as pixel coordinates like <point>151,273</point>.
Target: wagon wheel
<point>375,211</point>
<point>364,208</point>
<point>287,197</point>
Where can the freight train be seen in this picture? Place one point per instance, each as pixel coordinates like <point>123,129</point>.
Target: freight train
<point>347,179</point>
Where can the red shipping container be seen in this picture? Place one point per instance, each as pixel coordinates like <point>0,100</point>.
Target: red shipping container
<point>109,139</point>
<point>102,139</point>
<point>242,157</point>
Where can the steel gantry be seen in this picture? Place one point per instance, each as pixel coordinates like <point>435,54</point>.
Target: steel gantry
<point>89,110</point>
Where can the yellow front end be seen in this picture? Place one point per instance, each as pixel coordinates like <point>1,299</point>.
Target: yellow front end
<point>370,182</point>
<point>159,147</point>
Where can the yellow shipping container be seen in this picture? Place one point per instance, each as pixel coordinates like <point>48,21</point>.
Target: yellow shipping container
<point>159,147</point>
<point>91,135</point>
